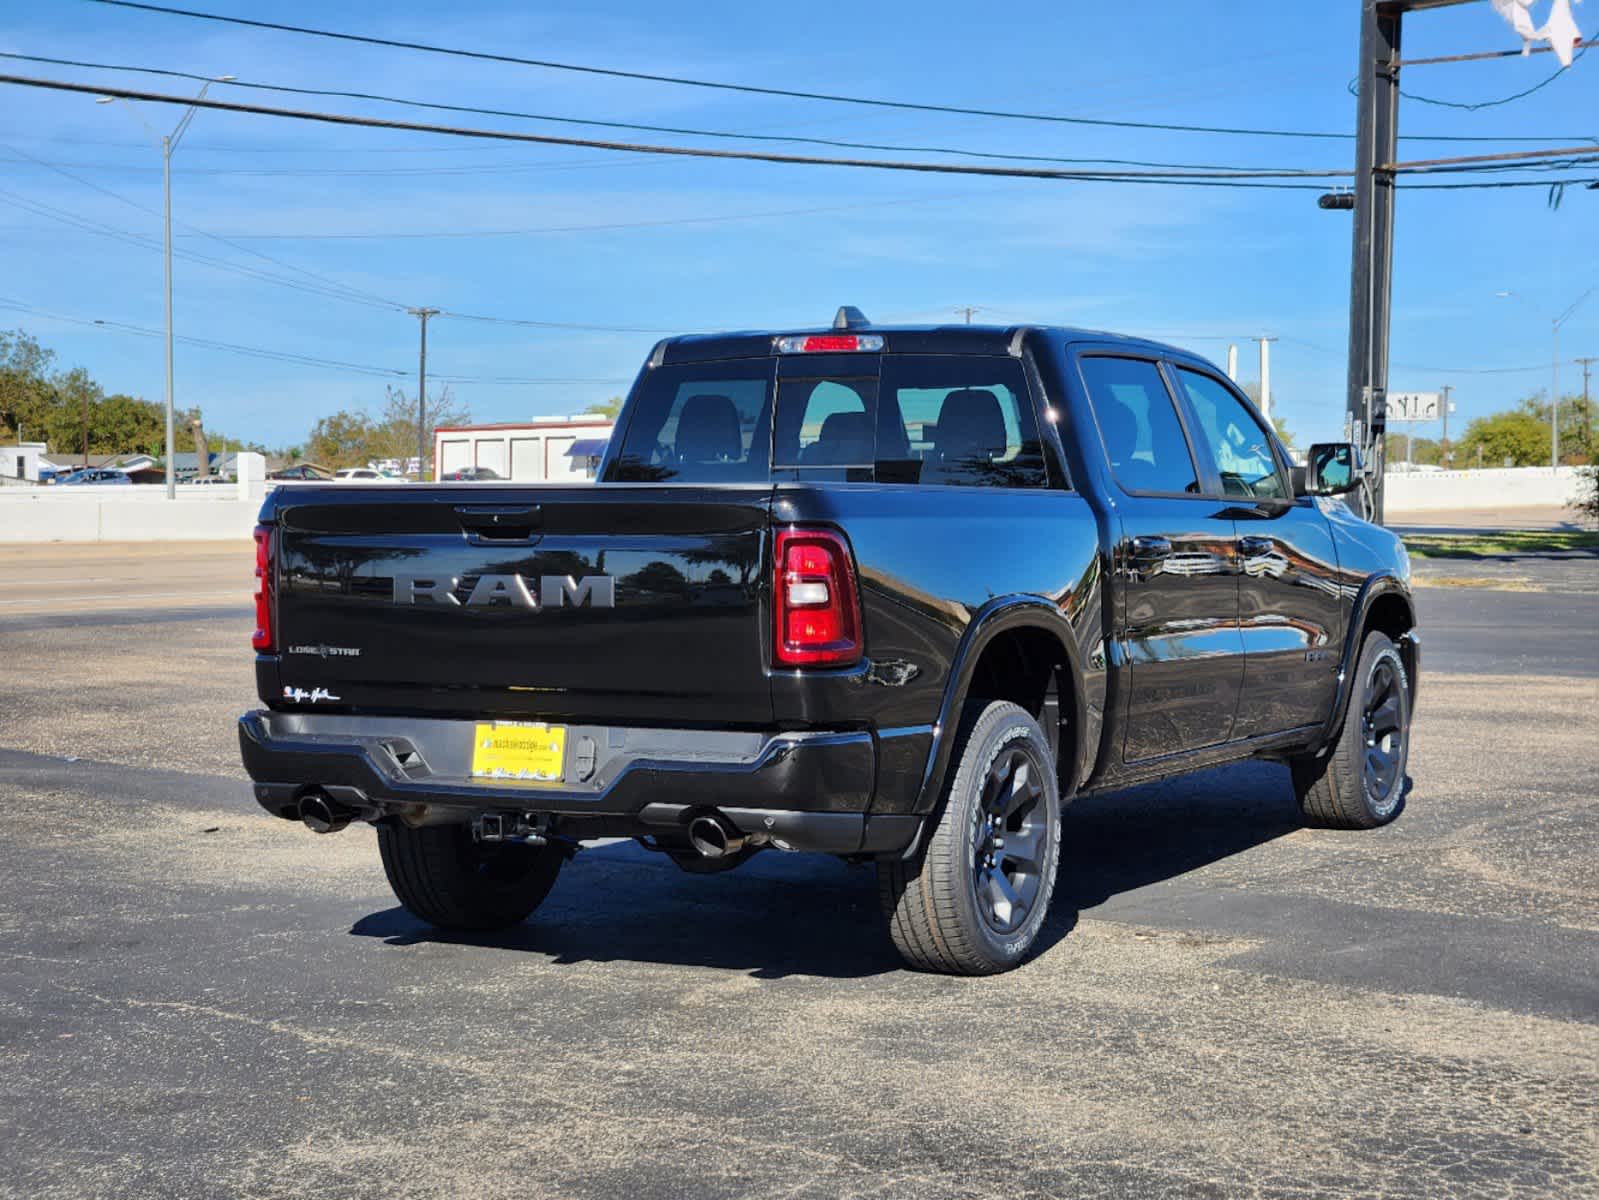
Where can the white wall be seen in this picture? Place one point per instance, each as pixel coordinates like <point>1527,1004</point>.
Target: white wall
<point>530,453</point>
<point>137,513</point>
<point>1503,487</point>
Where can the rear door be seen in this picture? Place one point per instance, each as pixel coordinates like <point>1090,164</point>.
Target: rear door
<point>1176,565</point>
<point>1291,616</point>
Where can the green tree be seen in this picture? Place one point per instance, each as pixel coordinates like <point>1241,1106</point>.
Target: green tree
<point>606,408</point>
<point>394,430</point>
<point>1402,447</point>
<point>1576,426</point>
<point>342,439</point>
<point>24,385</point>
<point>1518,436</point>
<point>1587,500</point>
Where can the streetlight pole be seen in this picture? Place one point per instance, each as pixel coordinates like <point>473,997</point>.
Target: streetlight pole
<point>169,143</point>
<point>166,207</point>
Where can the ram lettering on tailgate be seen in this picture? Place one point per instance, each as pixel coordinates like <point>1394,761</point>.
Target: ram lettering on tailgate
<point>554,591</point>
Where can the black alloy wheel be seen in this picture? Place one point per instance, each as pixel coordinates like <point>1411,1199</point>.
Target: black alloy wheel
<point>1010,831</point>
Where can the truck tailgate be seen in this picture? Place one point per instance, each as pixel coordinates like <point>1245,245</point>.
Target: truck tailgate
<point>625,603</point>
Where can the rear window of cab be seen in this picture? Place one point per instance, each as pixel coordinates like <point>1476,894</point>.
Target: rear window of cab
<point>954,420</point>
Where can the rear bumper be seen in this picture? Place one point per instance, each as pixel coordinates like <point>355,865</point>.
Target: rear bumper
<point>807,790</point>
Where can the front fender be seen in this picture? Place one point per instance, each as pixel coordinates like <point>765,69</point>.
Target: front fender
<point>1373,589</point>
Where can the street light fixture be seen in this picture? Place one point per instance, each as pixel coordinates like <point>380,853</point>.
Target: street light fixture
<point>169,143</point>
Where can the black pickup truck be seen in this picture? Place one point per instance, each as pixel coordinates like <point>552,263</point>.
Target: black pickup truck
<point>893,594</point>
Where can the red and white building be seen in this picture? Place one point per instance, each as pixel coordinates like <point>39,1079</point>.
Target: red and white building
<point>545,449</point>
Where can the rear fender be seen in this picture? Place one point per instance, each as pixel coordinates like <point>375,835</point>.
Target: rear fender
<point>1000,616</point>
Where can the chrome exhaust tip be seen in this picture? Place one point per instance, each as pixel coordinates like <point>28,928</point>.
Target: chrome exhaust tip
<point>320,814</point>
<point>714,837</point>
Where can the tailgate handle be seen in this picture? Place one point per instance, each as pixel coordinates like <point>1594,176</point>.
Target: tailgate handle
<point>500,522</point>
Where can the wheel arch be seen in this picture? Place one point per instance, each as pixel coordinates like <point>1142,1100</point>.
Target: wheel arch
<point>1384,604</point>
<point>1017,648</point>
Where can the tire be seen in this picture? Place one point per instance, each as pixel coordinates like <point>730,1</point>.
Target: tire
<point>1359,783</point>
<point>945,911</point>
<point>445,877</point>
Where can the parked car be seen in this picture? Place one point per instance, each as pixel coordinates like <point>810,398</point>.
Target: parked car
<point>302,471</point>
<point>471,475</point>
<point>366,475</point>
<point>96,477</point>
<point>891,594</point>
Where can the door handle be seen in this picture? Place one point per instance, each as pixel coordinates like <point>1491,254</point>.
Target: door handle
<point>500,522</point>
<point>1151,546</point>
<point>1253,547</point>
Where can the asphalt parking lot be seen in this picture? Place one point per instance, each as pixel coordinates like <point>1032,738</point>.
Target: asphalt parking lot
<point>198,1001</point>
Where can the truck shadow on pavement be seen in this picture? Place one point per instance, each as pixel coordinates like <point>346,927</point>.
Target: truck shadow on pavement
<point>791,915</point>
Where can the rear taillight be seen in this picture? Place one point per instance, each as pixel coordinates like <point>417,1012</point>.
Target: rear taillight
<point>815,601</point>
<point>263,638</point>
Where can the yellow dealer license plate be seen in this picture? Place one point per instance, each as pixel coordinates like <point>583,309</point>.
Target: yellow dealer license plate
<point>509,750</point>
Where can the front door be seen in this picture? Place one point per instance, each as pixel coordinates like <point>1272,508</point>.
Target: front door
<point>1176,564</point>
<point>1290,612</point>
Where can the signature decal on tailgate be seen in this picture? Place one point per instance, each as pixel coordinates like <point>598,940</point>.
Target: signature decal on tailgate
<point>300,696</point>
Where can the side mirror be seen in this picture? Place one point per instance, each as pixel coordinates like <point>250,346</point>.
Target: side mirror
<point>1331,469</point>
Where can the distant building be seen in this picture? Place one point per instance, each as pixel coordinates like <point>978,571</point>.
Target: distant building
<point>21,461</point>
<point>536,451</point>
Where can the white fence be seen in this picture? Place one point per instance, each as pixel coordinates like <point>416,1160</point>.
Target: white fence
<point>1494,488</point>
<point>220,511</point>
<point>140,513</point>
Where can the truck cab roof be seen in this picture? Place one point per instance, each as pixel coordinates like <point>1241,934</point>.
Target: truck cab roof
<point>902,339</point>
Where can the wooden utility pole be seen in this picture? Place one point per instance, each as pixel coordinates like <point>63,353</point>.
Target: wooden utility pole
<point>1371,267</point>
<point>1371,274</point>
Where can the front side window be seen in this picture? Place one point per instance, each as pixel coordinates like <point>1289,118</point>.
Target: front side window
<point>698,423</point>
<point>1143,435</point>
<point>1238,445</point>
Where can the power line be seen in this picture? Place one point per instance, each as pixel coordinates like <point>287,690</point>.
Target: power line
<point>264,352</point>
<point>1481,104</point>
<point>1242,178</point>
<point>1320,349</point>
<point>151,244</point>
<point>122,235</point>
<point>530,324</point>
<point>207,343</point>
<point>672,129</point>
<point>752,89</point>
<point>343,289</point>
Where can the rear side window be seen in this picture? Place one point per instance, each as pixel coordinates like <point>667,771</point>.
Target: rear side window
<point>699,423</point>
<point>1239,446</point>
<point>1143,435</point>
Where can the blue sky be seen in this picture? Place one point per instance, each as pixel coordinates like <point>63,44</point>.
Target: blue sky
<point>1198,266</point>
